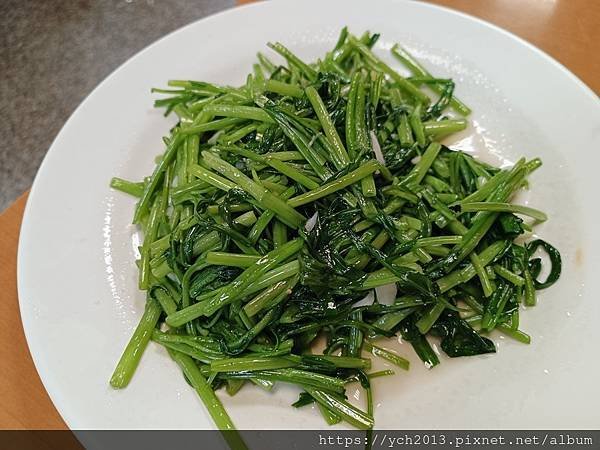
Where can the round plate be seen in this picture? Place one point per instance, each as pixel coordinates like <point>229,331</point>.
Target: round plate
<point>76,271</point>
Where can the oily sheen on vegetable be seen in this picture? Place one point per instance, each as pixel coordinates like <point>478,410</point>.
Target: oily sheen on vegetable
<point>279,205</point>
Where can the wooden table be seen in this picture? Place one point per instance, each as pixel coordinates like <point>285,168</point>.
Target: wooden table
<point>566,29</point>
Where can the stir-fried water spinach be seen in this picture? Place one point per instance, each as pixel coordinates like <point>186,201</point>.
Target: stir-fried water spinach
<point>279,205</point>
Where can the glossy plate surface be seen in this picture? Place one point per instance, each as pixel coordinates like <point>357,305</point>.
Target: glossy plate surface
<point>77,278</point>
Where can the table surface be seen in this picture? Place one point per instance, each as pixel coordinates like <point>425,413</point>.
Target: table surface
<point>50,61</point>
<point>566,29</point>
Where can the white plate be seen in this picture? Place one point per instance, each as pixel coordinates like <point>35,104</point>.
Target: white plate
<point>77,279</point>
